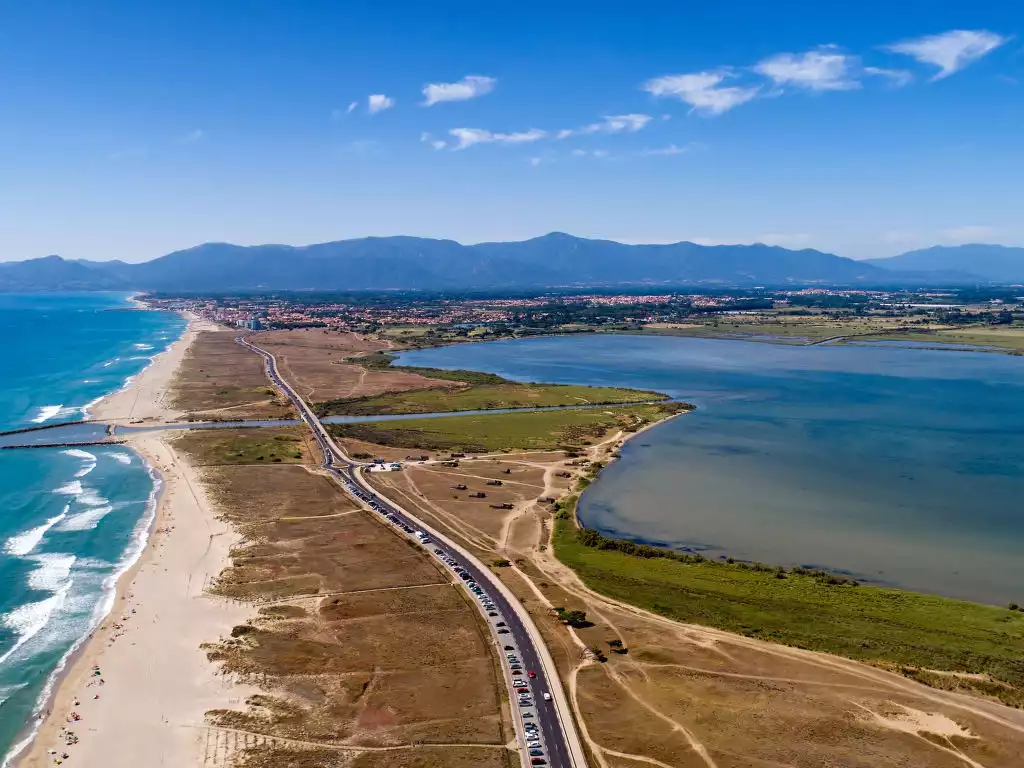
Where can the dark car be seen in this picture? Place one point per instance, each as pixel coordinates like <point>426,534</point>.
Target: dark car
<point>509,648</point>
<point>500,624</point>
<point>538,761</point>
<point>492,613</point>
<point>502,631</point>
<point>536,753</point>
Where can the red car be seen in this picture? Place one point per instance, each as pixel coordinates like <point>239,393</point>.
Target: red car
<point>532,674</point>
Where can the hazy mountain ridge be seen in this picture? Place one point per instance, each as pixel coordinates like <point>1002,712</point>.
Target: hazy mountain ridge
<point>998,263</point>
<point>401,262</point>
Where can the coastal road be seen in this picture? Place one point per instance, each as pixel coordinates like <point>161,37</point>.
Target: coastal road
<point>561,743</point>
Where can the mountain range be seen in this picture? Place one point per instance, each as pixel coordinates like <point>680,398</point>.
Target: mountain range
<point>554,260</point>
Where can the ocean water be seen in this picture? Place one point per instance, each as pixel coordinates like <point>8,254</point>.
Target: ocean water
<point>70,520</point>
<point>903,467</point>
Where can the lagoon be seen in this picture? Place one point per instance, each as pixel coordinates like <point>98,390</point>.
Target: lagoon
<point>902,467</point>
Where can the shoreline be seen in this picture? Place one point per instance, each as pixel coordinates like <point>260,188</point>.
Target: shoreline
<point>119,702</point>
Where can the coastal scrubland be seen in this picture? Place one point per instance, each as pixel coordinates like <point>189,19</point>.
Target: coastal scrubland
<point>323,365</point>
<point>219,379</point>
<point>725,664</point>
<point>537,430</point>
<point>901,630</point>
<point>487,397</point>
<point>363,652</point>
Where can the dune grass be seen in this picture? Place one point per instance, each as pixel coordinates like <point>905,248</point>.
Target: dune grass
<point>502,432</point>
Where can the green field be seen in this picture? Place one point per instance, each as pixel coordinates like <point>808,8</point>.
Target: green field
<point>1006,338</point>
<point>273,445</point>
<point>537,430</point>
<point>485,396</point>
<point>905,629</point>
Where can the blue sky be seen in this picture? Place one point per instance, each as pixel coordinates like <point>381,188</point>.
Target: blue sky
<point>130,129</point>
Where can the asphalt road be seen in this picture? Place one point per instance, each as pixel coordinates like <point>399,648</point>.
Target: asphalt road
<point>544,713</point>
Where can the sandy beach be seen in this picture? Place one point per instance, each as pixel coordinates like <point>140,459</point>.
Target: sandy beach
<point>146,398</point>
<point>137,693</point>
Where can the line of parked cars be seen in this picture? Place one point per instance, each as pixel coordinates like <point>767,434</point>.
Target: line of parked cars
<point>521,684</point>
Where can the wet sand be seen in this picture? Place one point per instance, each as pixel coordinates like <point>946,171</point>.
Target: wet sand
<point>137,693</point>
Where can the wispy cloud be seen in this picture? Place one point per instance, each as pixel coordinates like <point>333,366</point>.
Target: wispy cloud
<point>469,87</point>
<point>427,138</point>
<point>630,123</point>
<point>378,102</point>
<point>703,91</point>
<point>467,137</point>
<point>193,136</point>
<point>969,234</point>
<point>896,77</point>
<point>823,69</point>
<point>950,51</point>
<point>598,153</point>
<point>351,107</point>
<point>671,149</point>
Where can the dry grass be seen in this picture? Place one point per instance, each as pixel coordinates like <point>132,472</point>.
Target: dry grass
<point>221,379</point>
<point>359,641</point>
<point>314,362</point>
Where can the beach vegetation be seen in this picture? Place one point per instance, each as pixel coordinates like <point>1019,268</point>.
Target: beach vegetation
<point>808,609</point>
<point>536,430</point>
<point>484,397</point>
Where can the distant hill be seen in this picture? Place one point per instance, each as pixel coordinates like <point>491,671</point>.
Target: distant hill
<point>554,260</point>
<point>996,263</point>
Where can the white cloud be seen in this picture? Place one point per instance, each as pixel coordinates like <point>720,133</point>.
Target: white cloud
<point>378,102</point>
<point>823,69</point>
<point>535,161</point>
<point>193,136</point>
<point>467,88</point>
<point>896,77</point>
<point>786,240</point>
<point>968,234</point>
<point>427,138</point>
<point>351,107</point>
<point>609,124</point>
<point>467,137</point>
<point>671,149</point>
<point>950,51</point>
<point>702,90</point>
<point>598,153</point>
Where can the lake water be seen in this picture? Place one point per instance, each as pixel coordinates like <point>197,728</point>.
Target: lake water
<point>900,466</point>
<point>71,520</point>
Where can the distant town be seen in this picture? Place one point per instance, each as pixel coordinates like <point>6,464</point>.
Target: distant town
<point>436,318</point>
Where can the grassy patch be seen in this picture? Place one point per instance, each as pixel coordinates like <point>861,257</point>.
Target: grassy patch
<point>904,629</point>
<point>271,445</point>
<point>486,396</point>
<point>1005,338</point>
<point>539,430</point>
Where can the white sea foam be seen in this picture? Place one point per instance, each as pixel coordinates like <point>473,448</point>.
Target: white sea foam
<point>111,362</point>
<point>143,346</point>
<point>52,571</point>
<point>88,460</point>
<point>28,620</point>
<point>85,521</point>
<point>123,458</point>
<point>90,498</point>
<point>46,413</point>
<point>74,488</point>
<point>23,543</point>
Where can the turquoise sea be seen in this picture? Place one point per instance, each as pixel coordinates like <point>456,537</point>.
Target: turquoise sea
<point>903,467</point>
<point>71,521</point>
